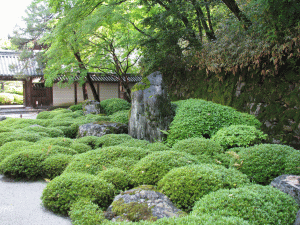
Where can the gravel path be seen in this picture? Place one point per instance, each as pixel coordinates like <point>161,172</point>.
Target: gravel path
<point>20,204</point>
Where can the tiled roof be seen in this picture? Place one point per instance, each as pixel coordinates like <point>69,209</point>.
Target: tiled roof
<point>98,77</point>
<point>10,65</point>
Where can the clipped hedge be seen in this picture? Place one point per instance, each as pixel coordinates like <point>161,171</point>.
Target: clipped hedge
<point>257,204</point>
<point>12,147</point>
<point>262,163</point>
<point>120,117</point>
<point>198,146</point>
<point>20,136</point>
<point>93,162</point>
<point>197,118</point>
<point>60,141</point>
<point>54,165</point>
<point>157,146</point>
<point>238,136</point>
<point>67,188</point>
<point>135,143</point>
<point>118,177</point>
<point>85,211</point>
<point>112,139</point>
<point>185,185</point>
<point>52,132</point>
<point>88,140</point>
<point>205,219</point>
<point>80,147</point>
<point>153,167</point>
<point>112,105</point>
<point>25,164</point>
<point>292,163</point>
<point>76,107</point>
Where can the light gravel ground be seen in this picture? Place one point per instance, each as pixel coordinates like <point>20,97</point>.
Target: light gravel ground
<point>25,115</point>
<point>20,204</point>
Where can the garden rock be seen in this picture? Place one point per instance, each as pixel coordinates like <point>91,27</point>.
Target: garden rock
<point>2,118</point>
<point>289,184</point>
<point>151,111</point>
<point>102,128</point>
<point>91,107</point>
<point>297,221</point>
<point>144,202</point>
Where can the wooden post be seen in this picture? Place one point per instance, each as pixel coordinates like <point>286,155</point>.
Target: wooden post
<point>28,92</point>
<point>98,90</point>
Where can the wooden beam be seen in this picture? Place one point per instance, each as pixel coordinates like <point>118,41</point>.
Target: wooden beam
<point>75,92</point>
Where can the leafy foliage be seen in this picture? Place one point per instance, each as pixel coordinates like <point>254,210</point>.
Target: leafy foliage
<point>238,136</point>
<point>54,166</point>
<point>114,105</point>
<point>120,116</point>
<point>256,204</point>
<point>185,185</point>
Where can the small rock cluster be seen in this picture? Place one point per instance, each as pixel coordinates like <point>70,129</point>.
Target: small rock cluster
<point>102,128</point>
<point>91,107</point>
<point>148,201</point>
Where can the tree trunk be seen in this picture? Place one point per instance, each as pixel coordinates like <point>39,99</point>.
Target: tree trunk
<point>232,5</point>
<point>84,92</point>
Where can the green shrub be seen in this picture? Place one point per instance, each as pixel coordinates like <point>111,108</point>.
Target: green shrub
<point>205,219</point>
<point>56,149</point>
<point>19,136</point>
<point>197,118</point>
<point>88,140</point>
<point>60,141</point>
<point>238,136</point>
<point>153,167</point>
<point>18,99</point>
<point>118,177</point>
<point>135,143</point>
<point>69,131</point>
<point>97,117</point>
<point>124,163</point>
<point>112,105</point>
<point>54,165</point>
<point>67,188</point>
<point>12,147</point>
<point>120,116</point>
<point>157,146</point>
<point>198,147</point>
<point>227,158</point>
<point>80,147</point>
<point>25,164</point>
<point>44,115</point>
<point>185,185</point>
<point>262,163</point>
<point>257,204</point>
<point>5,129</point>
<point>51,114</point>
<point>52,132</point>
<point>97,160</point>
<point>112,139</point>
<point>76,107</point>
<point>292,163</point>
<point>85,212</point>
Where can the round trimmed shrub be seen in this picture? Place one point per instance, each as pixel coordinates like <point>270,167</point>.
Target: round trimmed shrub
<point>54,165</point>
<point>198,147</point>
<point>292,163</point>
<point>124,163</point>
<point>157,146</point>
<point>205,219</point>
<point>197,118</point>
<point>113,105</point>
<point>227,158</point>
<point>52,132</point>
<point>135,143</point>
<point>118,177</point>
<point>153,167</point>
<point>19,136</point>
<point>12,147</point>
<point>76,107</point>
<point>67,188</point>
<point>255,203</point>
<point>5,129</point>
<point>80,147</point>
<point>238,136</point>
<point>112,139</point>
<point>262,163</point>
<point>60,141</point>
<point>25,164</point>
<point>185,185</point>
<point>56,149</point>
<point>85,211</point>
<point>120,117</point>
<point>93,162</point>
<point>88,140</point>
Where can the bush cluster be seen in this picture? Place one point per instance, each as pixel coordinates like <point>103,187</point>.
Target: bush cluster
<point>66,189</point>
<point>153,167</point>
<point>113,105</point>
<point>185,185</point>
<point>255,203</point>
<point>238,136</point>
<point>120,116</point>
<point>54,165</point>
<point>197,118</point>
<point>112,139</point>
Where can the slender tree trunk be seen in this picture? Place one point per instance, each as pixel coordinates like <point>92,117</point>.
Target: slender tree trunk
<point>232,5</point>
<point>84,92</point>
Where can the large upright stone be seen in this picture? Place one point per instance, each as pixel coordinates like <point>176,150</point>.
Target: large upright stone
<point>151,111</point>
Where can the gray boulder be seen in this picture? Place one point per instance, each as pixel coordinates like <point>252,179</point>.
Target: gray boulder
<point>101,128</point>
<point>297,221</point>
<point>151,110</point>
<point>2,118</point>
<point>91,107</point>
<point>289,184</point>
<point>142,203</point>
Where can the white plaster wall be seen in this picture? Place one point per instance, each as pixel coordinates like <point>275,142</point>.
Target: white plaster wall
<point>63,95</point>
<point>108,90</point>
